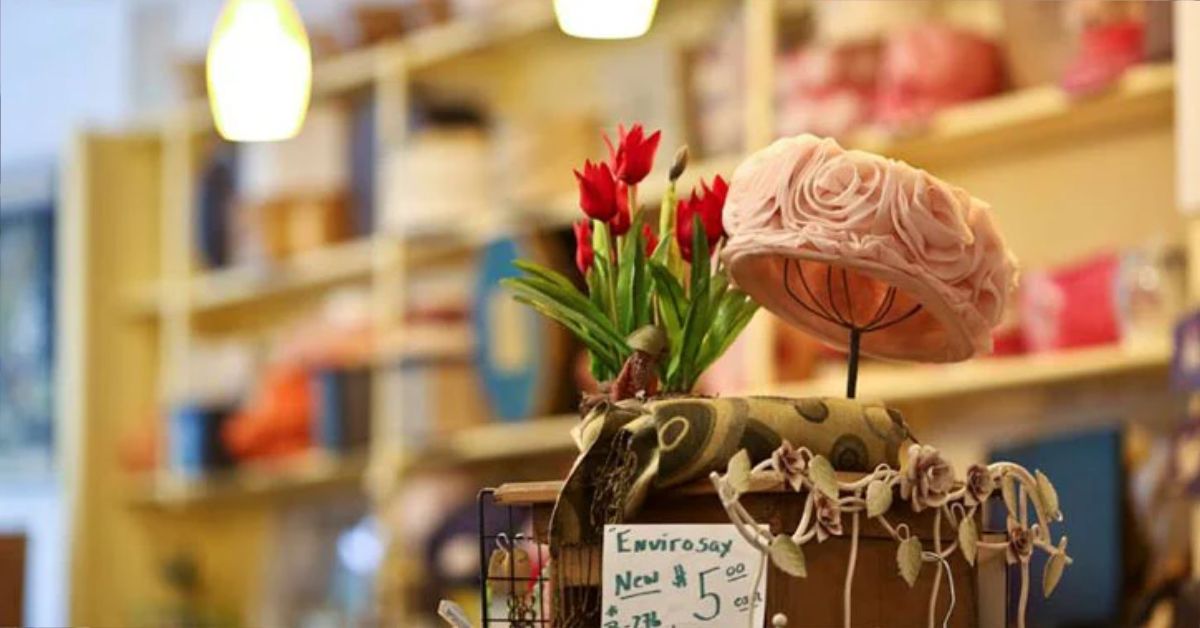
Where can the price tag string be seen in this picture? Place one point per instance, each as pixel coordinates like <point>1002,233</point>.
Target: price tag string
<point>949,581</point>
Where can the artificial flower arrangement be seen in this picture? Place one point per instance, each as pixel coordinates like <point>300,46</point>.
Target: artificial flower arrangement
<point>868,254</point>
<point>658,309</point>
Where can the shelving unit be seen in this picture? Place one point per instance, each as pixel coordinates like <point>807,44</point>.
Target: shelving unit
<point>1104,162</point>
<point>505,441</point>
<point>1031,117</point>
<point>319,473</point>
<point>302,476</point>
<point>906,383</point>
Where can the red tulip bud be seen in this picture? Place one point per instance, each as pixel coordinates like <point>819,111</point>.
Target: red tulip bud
<point>684,214</point>
<point>712,209</point>
<point>585,255</point>
<point>680,164</point>
<point>650,238</point>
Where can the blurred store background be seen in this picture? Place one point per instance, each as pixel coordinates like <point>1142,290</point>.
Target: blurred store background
<point>259,384</point>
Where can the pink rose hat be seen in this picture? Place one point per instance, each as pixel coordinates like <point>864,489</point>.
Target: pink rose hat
<point>856,248</point>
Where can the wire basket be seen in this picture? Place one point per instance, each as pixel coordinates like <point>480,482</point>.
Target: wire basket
<point>512,566</point>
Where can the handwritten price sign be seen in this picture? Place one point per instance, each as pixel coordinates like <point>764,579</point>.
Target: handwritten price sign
<point>672,576</point>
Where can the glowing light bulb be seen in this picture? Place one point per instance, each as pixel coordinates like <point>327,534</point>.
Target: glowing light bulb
<point>259,71</point>
<point>605,19</point>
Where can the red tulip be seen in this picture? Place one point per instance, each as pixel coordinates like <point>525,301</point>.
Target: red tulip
<point>709,206</point>
<point>585,255</point>
<point>619,223</point>
<point>712,209</point>
<point>650,238</point>
<point>597,191</point>
<point>684,215</point>
<point>633,156</point>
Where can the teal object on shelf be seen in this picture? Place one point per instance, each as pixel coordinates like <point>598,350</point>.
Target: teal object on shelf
<point>510,347</point>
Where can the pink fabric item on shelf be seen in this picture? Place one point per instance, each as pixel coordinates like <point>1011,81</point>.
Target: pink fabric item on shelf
<point>931,66</point>
<point>808,206</point>
<point>826,90</point>
<point>1105,52</point>
<point>1072,306</point>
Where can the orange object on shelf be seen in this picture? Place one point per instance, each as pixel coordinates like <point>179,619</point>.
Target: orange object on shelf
<point>139,450</point>
<point>278,420</point>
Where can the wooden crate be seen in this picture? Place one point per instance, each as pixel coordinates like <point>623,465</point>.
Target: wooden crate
<point>880,596</point>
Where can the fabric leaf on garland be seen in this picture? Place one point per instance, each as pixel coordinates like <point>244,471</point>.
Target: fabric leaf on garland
<point>908,559</point>
<point>821,472</point>
<point>968,539</point>
<point>1048,496</point>
<point>1054,568</point>
<point>788,556</point>
<point>739,472</point>
<point>879,498</point>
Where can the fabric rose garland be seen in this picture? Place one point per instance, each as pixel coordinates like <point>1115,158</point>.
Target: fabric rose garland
<point>638,277</point>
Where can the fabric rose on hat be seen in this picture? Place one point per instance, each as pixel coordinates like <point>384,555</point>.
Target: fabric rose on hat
<point>926,479</point>
<point>808,200</point>
<point>836,190</point>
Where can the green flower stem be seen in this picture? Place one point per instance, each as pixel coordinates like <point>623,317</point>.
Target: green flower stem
<point>666,217</point>
<point>604,245</point>
<point>666,231</point>
<point>633,205</point>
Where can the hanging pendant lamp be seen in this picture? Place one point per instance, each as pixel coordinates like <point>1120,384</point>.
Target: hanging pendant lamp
<point>259,71</point>
<point>605,19</point>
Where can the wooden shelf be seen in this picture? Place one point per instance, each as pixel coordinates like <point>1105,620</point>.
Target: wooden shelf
<point>504,441</point>
<point>431,45</point>
<point>302,476</point>
<point>334,264</point>
<point>434,341</point>
<point>1026,117</point>
<point>245,284</point>
<point>894,383</point>
<point>320,473</point>
<point>348,261</point>
<point>507,21</point>
<point>1019,118</point>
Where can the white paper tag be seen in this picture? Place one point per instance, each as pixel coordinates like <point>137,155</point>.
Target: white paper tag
<point>664,576</point>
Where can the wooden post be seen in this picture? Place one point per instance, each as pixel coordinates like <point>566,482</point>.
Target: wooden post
<point>761,27</point>
<point>1187,146</point>
<point>388,286</point>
